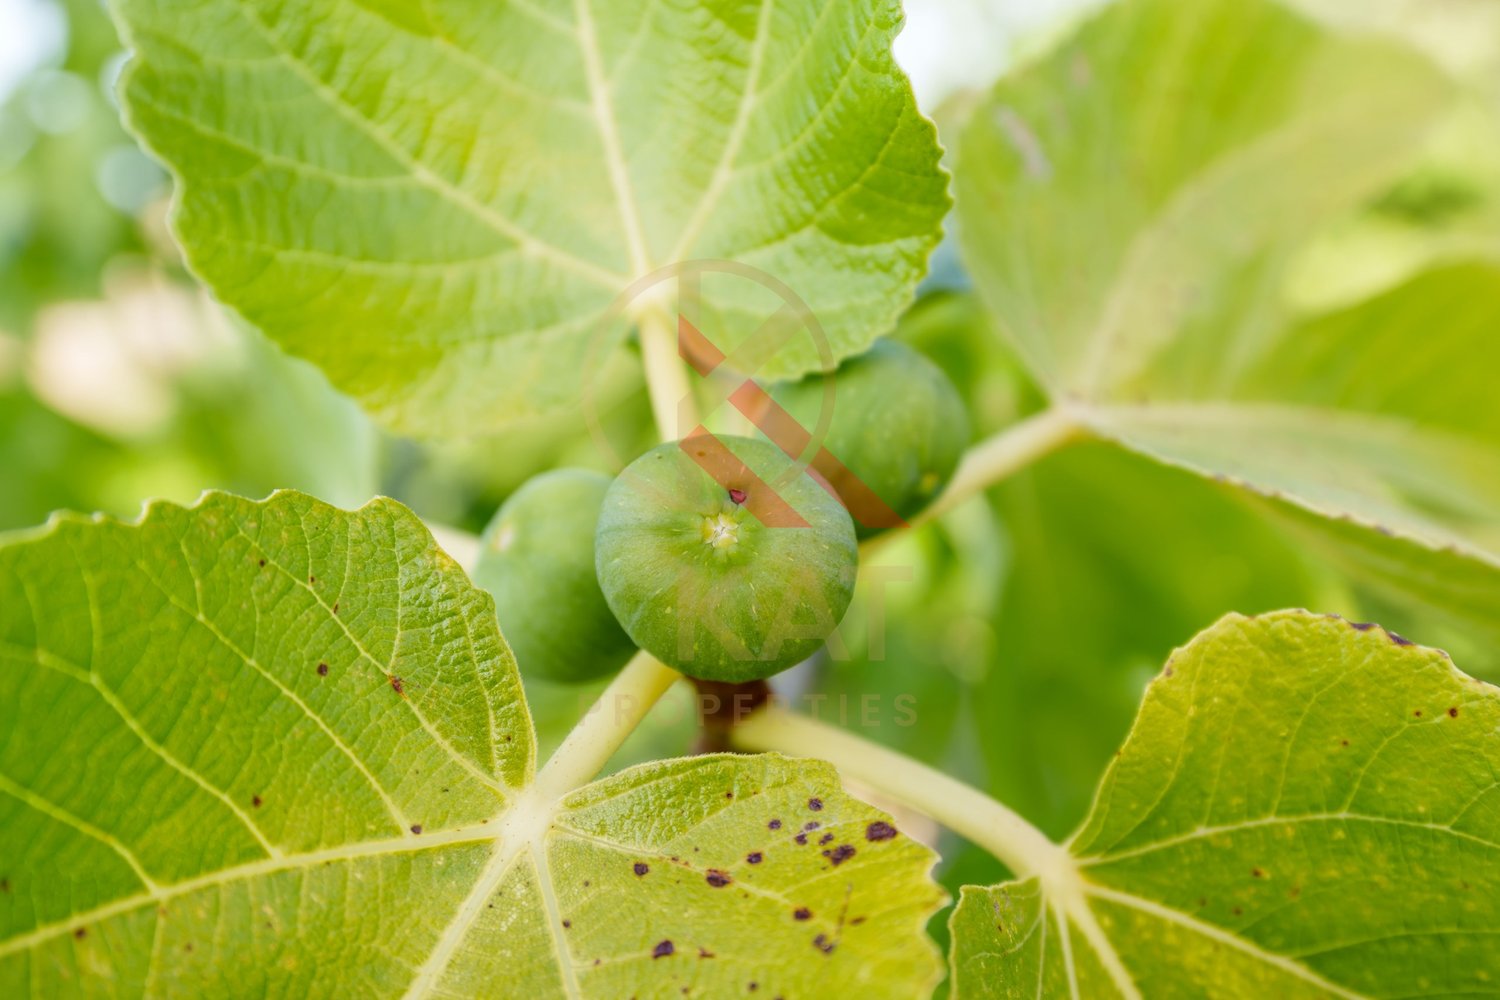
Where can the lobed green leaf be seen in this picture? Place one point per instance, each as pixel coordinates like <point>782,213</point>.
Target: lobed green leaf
<point>1135,245</point>
<point>1306,807</point>
<point>276,747</point>
<point>439,204</point>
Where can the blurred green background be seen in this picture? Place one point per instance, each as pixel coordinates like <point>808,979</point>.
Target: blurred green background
<point>1021,628</point>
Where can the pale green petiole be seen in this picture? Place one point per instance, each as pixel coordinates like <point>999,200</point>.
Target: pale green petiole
<point>963,809</point>
<point>611,719</point>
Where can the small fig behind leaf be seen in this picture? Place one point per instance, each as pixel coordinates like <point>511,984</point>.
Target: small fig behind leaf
<point>723,558</point>
<point>896,432</point>
<point>537,559</point>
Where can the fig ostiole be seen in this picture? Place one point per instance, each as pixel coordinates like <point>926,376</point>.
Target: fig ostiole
<point>896,429</point>
<point>723,558</point>
<point>537,559</point>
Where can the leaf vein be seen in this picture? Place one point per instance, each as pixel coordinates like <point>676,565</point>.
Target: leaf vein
<point>1169,915</point>
<point>419,170</point>
<point>1332,817</point>
<point>397,816</point>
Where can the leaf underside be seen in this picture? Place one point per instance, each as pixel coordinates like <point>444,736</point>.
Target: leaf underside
<point>275,747</point>
<point>1306,807</point>
<point>439,203</point>
<point>1155,305</point>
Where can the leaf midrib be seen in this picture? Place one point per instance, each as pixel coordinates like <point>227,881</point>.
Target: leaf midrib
<point>1435,538</point>
<point>1215,933</point>
<point>1067,893</point>
<point>249,870</point>
<point>1267,821</point>
<point>542,815</point>
<point>51,661</point>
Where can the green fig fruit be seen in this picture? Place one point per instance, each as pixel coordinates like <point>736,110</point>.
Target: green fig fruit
<point>725,559</point>
<point>537,559</point>
<point>897,428</point>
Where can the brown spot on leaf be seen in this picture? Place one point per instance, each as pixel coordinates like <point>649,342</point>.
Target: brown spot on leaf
<point>754,857</point>
<point>811,825</point>
<point>662,949</point>
<point>398,686</point>
<point>1257,873</point>
<point>705,953</point>
<point>1362,626</point>
<point>717,878</point>
<point>816,805</point>
<point>1453,712</point>
<point>839,854</point>
<point>567,925</point>
<point>262,562</point>
<point>802,913</point>
<point>775,824</point>
<point>801,838</point>
<point>825,838</point>
<point>641,868</point>
<point>1398,639</point>
<point>81,933</point>
<point>880,830</point>
<point>416,828</point>
<point>824,945</point>
<point>1417,713</point>
<point>322,670</point>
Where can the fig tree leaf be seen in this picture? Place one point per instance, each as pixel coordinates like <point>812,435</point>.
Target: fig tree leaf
<point>277,748</point>
<point>1370,433</point>
<point>1132,199</point>
<point>438,203</point>
<point>1132,207</point>
<point>1464,36</point>
<point>1306,807</point>
<point>1050,714</point>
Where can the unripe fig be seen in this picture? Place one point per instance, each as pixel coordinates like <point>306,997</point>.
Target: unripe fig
<point>723,558</point>
<point>897,431</point>
<point>537,559</point>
